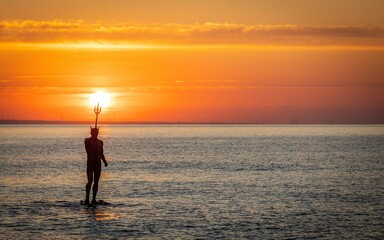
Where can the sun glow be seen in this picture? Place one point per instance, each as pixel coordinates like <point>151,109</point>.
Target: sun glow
<point>101,98</point>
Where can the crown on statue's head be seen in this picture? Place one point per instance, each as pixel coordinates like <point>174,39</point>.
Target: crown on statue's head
<point>94,131</point>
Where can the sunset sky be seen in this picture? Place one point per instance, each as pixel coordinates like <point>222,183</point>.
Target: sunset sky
<point>232,61</point>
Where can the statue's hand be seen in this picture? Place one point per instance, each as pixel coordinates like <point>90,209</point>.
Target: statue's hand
<point>106,164</point>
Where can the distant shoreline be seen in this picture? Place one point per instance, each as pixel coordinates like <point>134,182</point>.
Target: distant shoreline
<point>43,122</point>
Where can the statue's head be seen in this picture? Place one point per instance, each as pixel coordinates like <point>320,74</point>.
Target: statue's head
<point>94,132</point>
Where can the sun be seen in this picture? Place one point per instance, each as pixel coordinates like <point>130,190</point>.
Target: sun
<point>101,98</point>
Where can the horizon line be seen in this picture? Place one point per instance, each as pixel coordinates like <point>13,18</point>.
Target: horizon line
<point>60,122</point>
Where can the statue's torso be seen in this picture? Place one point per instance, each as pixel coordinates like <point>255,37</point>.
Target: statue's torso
<point>94,148</point>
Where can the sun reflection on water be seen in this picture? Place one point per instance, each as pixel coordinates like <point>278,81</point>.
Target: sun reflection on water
<point>100,214</point>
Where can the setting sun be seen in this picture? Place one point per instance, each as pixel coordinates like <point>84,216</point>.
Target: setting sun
<point>101,98</point>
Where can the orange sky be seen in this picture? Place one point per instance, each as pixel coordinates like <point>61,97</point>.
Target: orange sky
<point>287,64</point>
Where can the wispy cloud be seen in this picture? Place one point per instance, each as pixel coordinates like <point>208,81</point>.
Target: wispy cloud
<point>43,76</point>
<point>58,31</point>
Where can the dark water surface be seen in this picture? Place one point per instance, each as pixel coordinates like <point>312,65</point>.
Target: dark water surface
<point>195,181</point>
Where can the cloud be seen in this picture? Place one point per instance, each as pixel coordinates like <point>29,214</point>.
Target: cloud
<point>58,31</point>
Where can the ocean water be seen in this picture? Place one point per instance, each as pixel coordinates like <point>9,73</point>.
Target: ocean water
<point>195,182</point>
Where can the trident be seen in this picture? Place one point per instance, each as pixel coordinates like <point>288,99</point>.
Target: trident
<point>97,110</point>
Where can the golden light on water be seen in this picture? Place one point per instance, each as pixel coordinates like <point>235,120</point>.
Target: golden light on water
<point>101,98</point>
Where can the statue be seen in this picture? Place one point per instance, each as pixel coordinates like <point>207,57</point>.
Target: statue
<point>95,154</point>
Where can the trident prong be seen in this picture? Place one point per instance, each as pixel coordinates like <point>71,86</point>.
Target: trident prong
<point>97,110</point>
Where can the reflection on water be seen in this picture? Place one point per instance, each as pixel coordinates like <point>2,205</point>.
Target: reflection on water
<point>99,214</point>
<point>195,182</point>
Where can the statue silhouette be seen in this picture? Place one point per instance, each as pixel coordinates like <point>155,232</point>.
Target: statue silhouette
<point>95,154</point>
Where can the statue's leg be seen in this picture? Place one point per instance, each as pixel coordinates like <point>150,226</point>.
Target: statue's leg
<point>96,183</point>
<point>89,184</point>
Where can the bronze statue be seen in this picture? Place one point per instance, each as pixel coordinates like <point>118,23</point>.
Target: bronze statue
<point>95,153</point>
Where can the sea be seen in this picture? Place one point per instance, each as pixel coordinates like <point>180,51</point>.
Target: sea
<point>195,182</point>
